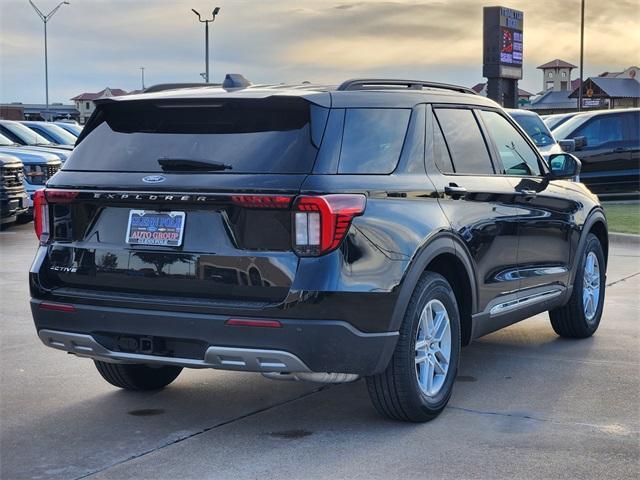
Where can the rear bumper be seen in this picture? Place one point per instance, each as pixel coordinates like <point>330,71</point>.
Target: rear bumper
<point>204,341</point>
<point>228,358</point>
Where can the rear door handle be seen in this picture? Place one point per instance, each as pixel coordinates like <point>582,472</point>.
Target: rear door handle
<point>528,194</point>
<point>454,190</point>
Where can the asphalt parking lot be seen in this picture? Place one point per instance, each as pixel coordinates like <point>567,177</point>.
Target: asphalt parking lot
<point>526,405</point>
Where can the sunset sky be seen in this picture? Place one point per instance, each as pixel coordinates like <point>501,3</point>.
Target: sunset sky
<point>94,44</point>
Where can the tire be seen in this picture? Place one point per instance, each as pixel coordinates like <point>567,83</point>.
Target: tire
<point>396,392</point>
<point>137,377</point>
<point>573,320</point>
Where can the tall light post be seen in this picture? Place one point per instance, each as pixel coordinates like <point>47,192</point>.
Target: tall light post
<point>206,38</point>
<point>581,54</point>
<point>45,19</point>
<point>142,72</point>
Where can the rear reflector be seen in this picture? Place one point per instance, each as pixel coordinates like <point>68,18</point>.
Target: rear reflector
<point>245,322</point>
<point>322,222</point>
<point>58,307</point>
<point>261,201</point>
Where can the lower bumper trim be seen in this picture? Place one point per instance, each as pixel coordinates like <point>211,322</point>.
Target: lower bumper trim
<point>224,358</point>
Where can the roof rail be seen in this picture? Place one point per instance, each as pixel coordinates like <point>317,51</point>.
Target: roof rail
<point>173,86</point>
<point>381,83</point>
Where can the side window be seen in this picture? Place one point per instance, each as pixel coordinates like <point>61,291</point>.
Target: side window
<point>607,128</point>
<point>462,134</point>
<point>440,150</point>
<point>632,119</point>
<point>372,139</point>
<point>42,132</point>
<point>9,134</point>
<point>518,158</point>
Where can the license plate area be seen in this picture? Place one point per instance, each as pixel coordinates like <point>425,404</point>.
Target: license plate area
<point>149,227</point>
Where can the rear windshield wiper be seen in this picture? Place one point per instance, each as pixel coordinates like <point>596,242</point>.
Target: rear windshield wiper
<point>187,165</point>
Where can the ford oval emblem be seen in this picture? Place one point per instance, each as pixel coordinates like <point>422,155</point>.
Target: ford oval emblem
<point>154,179</point>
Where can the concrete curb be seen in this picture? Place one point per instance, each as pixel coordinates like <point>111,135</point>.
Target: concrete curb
<point>627,239</point>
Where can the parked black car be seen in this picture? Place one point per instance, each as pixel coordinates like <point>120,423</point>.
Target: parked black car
<point>310,232</point>
<point>608,145</point>
<point>13,197</point>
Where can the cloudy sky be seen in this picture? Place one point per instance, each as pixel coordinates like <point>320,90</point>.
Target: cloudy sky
<point>99,43</point>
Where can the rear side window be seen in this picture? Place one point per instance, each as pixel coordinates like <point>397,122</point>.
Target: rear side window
<point>467,147</point>
<point>517,157</point>
<point>372,139</point>
<point>272,135</point>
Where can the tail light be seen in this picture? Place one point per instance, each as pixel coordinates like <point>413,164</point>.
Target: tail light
<point>321,222</point>
<point>41,201</point>
<point>261,201</point>
<point>41,216</point>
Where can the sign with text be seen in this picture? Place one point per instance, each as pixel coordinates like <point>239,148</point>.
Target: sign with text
<point>502,42</point>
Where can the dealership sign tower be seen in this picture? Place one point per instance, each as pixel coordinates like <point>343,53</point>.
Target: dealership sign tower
<point>502,54</point>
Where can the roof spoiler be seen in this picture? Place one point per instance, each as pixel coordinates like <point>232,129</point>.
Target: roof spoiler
<point>231,81</point>
<point>381,83</point>
<point>174,86</point>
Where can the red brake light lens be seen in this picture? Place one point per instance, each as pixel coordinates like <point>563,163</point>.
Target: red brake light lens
<point>41,201</point>
<point>261,201</point>
<point>322,222</point>
<point>60,196</point>
<point>41,216</point>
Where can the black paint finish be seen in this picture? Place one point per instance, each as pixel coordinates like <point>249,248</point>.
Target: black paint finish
<point>511,234</point>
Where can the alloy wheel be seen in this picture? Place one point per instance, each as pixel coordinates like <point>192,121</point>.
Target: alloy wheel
<point>433,347</point>
<point>591,286</point>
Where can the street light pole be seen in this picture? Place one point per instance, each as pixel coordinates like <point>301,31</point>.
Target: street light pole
<point>206,39</point>
<point>45,19</point>
<point>581,55</point>
<point>142,70</point>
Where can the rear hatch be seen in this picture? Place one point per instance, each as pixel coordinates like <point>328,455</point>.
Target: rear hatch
<point>171,200</point>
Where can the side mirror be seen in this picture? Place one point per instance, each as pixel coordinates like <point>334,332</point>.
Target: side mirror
<point>568,145</point>
<point>563,166</point>
<point>580,142</point>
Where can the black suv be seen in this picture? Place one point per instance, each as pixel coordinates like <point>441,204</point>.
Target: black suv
<point>309,232</point>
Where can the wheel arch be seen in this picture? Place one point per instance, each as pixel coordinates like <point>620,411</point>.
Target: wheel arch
<point>595,223</point>
<point>444,254</point>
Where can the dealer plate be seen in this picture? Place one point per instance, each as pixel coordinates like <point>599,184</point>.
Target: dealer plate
<point>148,227</point>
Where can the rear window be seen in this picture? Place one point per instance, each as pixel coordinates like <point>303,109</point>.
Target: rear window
<point>271,135</point>
<point>372,139</point>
